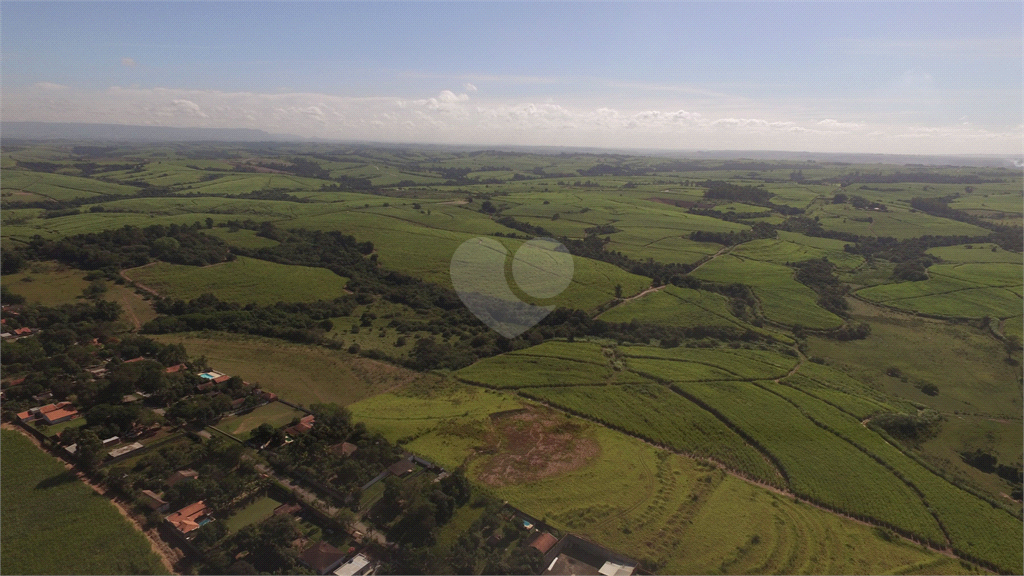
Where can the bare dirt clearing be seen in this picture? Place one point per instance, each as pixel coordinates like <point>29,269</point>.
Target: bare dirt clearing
<point>536,443</point>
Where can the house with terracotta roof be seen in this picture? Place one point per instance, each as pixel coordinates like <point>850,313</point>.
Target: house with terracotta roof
<point>190,518</point>
<point>51,413</point>
<point>544,542</point>
<point>322,558</point>
<point>174,369</point>
<point>181,476</point>
<point>343,450</point>
<point>23,332</point>
<point>137,359</point>
<point>304,426</point>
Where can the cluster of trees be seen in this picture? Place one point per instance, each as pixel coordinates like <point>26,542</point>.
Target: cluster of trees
<point>309,456</point>
<point>131,246</point>
<point>758,230</point>
<point>930,177</point>
<point>818,275</point>
<point>720,190</point>
<point>302,322</point>
<point>475,551</point>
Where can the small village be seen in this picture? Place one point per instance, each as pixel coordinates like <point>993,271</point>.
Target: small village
<point>219,471</point>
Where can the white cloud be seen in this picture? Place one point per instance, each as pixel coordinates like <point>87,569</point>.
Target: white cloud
<point>469,87</point>
<point>50,86</point>
<point>450,117</point>
<point>128,62</point>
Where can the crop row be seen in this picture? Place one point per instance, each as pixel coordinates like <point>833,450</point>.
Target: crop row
<point>655,413</point>
<point>976,529</point>
<point>819,466</point>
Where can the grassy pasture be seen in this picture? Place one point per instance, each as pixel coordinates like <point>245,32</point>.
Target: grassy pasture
<point>970,290</point>
<point>676,306</point>
<point>783,299</point>
<point>898,222</point>
<point>301,374</point>
<point>243,280</point>
<point>33,481</point>
<point>48,283</point>
<point>251,514</point>
<point>445,426</point>
<point>276,414</point>
<point>60,186</point>
<point>978,253</point>
<point>797,250</point>
<point>964,362</point>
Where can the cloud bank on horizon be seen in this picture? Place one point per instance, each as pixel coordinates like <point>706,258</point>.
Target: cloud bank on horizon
<point>906,79</point>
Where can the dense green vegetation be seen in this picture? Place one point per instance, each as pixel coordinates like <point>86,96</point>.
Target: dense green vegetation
<point>827,329</point>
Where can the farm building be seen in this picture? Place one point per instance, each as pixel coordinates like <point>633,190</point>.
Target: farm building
<point>343,450</point>
<point>322,558</point>
<point>127,448</point>
<point>181,476</point>
<point>51,413</point>
<point>154,501</point>
<point>544,542</point>
<point>304,426</point>
<point>111,441</point>
<point>574,555</point>
<point>189,518</point>
<point>354,566</point>
<point>174,369</point>
<point>402,467</point>
<point>136,359</point>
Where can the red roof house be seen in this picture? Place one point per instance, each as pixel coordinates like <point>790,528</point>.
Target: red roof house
<point>304,426</point>
<point>322,557</point>
<point>189,518</point>
<point>544,542</point>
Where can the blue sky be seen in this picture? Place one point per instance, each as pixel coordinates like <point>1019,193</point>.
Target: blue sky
<point>876,77</point>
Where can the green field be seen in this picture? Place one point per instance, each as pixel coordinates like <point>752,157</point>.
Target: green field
<point>34,482</point>
<point>971,290</point>
<point>301,374</point>
<point>275,414</point>
<point>256,511</point>
<point>783,299</point>
<point>243,280</point>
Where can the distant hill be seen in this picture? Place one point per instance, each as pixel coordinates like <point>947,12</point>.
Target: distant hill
<point>122,132</point>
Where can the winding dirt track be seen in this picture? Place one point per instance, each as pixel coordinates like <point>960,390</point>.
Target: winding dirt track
<point>168,556</point>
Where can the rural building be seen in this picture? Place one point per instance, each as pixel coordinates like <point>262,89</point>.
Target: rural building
<point>181,476</point>
<point>237,403</point>
<point>304,426</point>
<point>23,332</point>
<point>127,448</point>
<point>154,502</point>
<point>402,467</point>
<point>270,396</point>
<point>615,569</point>
<point>5,335</point>
<point>221,379</point>
<point>322,558</point>
<point>355,566</point>
<point>189,518</point>
<point>287,509</point>
<point>574,555</point>
<point>174,369</point>
<point>130,399</point>
<point>51,413</point>
<point>137,359</point>
<point>544,542</point>
<point>61,414</point>
<point>42,396</point>
<point>111,441</point>
<point>343,450</point>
